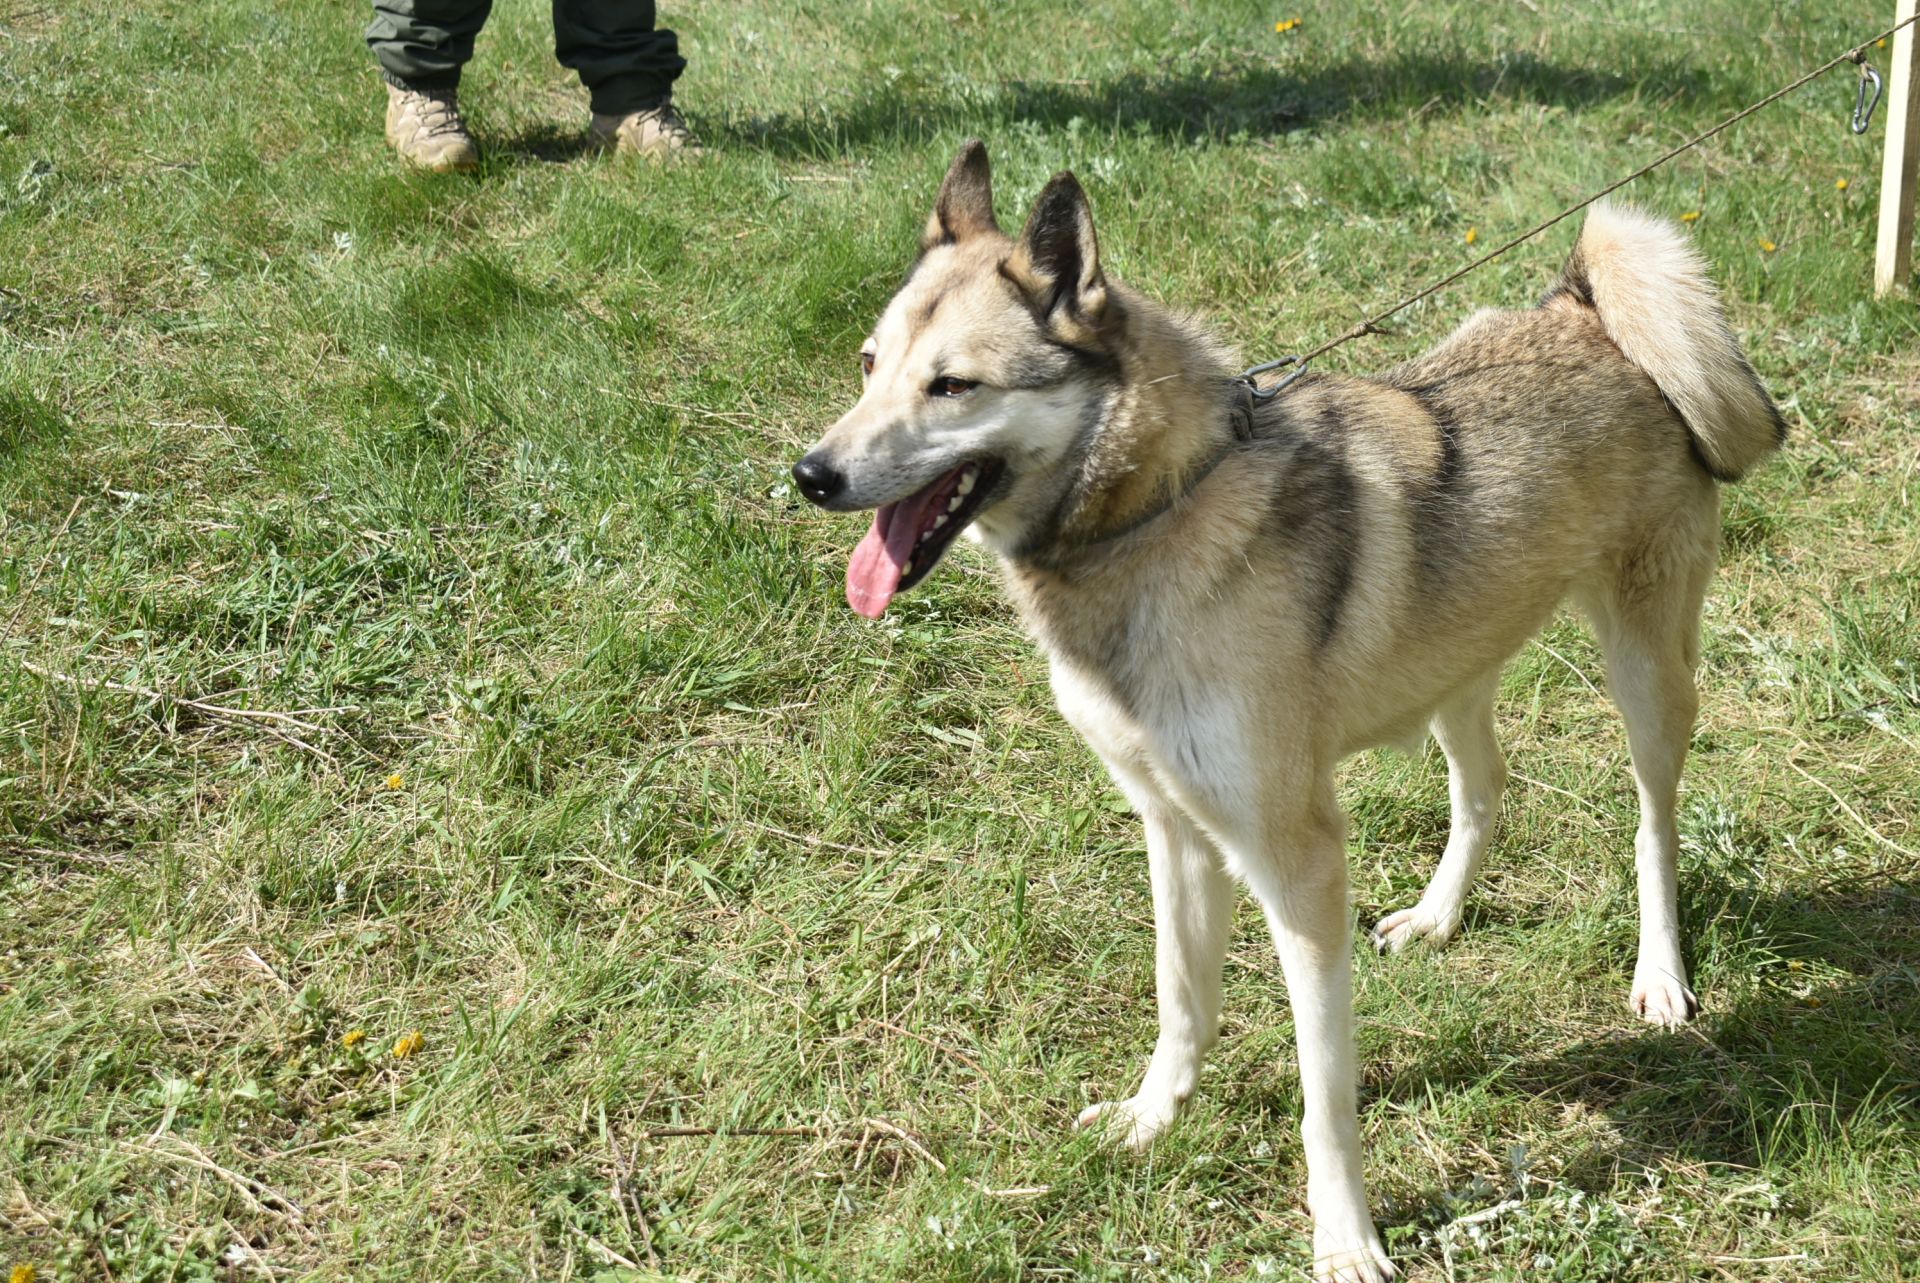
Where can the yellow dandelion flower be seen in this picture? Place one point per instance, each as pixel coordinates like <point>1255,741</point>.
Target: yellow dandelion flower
<point>1767,247</point>
<point>1473,234</point>
<point>353,1038</point>
<point>1286,24</point>
<point>1839,184</point>
<point>23,1273</point>
<point>1879,44</point>
<point>1796,965</point>
<point>408,1043</point>
<point>396,781</point>
<point>1691,216</point>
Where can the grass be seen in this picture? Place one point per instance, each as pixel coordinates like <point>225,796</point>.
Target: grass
<point>582,770</point>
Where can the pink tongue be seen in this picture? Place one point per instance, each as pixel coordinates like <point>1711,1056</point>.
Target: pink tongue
<point>873,573</point>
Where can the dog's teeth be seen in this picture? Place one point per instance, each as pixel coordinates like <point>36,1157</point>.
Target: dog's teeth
<point>953,504</point>
<point>906,570</point>
<point>967,479</point>
<point>938,522</point>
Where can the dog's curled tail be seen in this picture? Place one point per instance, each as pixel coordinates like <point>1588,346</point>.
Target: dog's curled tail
<point>1655,302</point>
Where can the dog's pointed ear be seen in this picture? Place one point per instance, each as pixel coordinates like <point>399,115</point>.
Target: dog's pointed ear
<point>1057,262</point>
<point>964,206</point>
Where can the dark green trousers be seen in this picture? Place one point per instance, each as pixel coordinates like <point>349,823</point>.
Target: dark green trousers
<point>624,61</point>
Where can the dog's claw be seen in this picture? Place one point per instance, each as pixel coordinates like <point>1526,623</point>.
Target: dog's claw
<point>1133,1123</point>
<point>1366,1263</point>
<point>1405,926</point>
<point>1664,1001</point>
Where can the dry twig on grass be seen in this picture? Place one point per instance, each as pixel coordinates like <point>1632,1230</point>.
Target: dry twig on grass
<point>271,721</point>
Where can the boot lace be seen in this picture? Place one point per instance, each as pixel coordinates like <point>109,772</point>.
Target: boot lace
<point>667,122</point>
<point>439,111</point>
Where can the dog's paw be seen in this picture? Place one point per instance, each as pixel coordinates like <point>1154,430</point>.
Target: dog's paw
<point>1405,926</point>
<point>1134,1122</point>
<point>1662,998</point>
<point>1356,1259</point>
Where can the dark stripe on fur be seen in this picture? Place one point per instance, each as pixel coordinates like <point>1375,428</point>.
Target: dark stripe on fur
<point>1347,534</point>
<point>1314,504</point>
<point>1436,502</point>
<point>933,305</point>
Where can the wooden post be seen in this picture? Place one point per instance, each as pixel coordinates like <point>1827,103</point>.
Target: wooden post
<point>1900,169</point>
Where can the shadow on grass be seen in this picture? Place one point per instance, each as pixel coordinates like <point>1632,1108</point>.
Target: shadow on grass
<point>544,143</point>
<point>1217,101</point>
<point>1801,1060</point>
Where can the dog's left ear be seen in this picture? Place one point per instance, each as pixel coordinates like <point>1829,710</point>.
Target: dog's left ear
<point>1057,262</point>
<point>964,206</point>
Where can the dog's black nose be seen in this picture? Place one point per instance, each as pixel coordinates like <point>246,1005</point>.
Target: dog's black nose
<point>819,480</point>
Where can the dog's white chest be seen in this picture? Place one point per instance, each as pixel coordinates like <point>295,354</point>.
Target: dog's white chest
<point>1090,708</point>
<point>1190,744</point>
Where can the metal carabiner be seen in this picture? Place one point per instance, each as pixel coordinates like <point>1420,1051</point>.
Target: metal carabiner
<point>1863,109</point>
<point>1259,393</point>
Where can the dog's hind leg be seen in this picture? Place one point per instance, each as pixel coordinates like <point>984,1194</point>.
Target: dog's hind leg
<point>1647,618</point>
<point>1192,926</point>
<point>1476,779</point>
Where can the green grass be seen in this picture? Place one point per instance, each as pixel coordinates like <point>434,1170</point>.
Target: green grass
<point>480,482</point>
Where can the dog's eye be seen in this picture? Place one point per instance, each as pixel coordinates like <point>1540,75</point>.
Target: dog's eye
<point>866,364</point>
<point>946,385</point>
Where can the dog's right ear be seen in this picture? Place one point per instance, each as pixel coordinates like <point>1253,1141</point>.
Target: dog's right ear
<point>964,206</point>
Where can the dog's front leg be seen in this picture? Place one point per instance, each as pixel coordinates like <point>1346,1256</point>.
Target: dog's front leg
<point>1300,878</point>
<point>1192,925</point>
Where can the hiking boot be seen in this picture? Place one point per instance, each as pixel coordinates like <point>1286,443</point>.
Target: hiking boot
<point>657,133</point>
<point>424,126</point>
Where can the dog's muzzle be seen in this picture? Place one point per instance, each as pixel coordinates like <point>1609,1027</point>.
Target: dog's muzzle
<point>818,480</point>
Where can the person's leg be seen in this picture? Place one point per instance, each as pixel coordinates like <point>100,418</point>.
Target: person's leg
<point>423,44</point>
<point>626,63</point>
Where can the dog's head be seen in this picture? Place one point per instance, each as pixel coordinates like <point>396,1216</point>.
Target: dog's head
<point>984,373</point>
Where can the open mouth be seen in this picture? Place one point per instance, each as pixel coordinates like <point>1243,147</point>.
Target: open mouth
<point>910,535</point>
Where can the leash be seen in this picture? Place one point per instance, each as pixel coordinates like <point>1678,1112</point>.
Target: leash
<point>1862,116</point>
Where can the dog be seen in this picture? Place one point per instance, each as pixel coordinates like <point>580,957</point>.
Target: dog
<point>1234,594</point>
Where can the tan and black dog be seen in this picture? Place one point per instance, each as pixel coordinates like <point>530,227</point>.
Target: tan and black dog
<point>1235,595</point>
